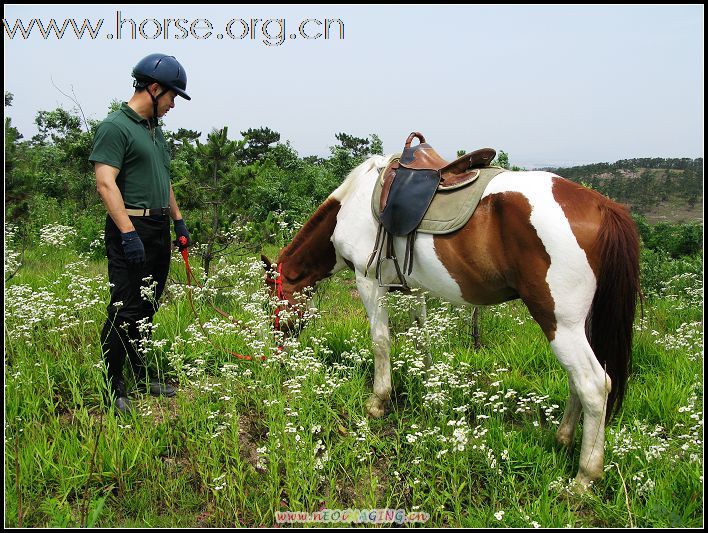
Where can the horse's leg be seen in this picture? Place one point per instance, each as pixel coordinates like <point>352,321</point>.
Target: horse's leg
<point>566,431</point>
<point>563,322</point>
<point>592,386</point>
<point>370,292</point>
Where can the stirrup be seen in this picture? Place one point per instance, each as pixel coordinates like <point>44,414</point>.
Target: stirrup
<point>402,282</point>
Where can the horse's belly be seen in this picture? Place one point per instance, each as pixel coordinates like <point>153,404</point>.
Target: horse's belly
<point>430,274</point>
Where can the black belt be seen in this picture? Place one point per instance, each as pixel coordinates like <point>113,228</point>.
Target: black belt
<point>160,211</point>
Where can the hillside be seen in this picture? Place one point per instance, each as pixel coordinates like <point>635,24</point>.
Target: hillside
<point>663,190</point>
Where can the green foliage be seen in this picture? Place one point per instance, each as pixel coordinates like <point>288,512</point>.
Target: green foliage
<point>502,159</point>
<point>215,158</point>
<point>181,141</point>
<point>356,146</point>
<point>351,152</point>
<point>257,144</point>
<point>658,268</point>
<point>675,240</point>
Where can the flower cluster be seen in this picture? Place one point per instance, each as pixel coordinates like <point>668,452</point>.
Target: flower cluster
<point>57,235</point>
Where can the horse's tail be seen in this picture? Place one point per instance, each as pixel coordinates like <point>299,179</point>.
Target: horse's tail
<point>614,304</point>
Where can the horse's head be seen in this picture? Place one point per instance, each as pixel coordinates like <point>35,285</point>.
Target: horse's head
<point>289,316</point>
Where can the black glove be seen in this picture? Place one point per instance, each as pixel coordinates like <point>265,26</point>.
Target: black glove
<point>181,231</point>
<point>133,247</point>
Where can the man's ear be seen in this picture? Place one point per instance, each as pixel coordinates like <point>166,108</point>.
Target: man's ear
<point>154,89</point>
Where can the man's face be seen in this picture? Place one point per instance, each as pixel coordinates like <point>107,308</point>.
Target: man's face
<point>164,102</point>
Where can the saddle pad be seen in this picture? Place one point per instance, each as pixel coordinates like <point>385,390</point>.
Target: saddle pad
<point>450,209</point>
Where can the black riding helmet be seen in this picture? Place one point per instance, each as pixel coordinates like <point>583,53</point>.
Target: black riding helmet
<point>162,69</point>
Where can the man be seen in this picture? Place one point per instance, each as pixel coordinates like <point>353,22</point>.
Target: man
<point>131,162</point>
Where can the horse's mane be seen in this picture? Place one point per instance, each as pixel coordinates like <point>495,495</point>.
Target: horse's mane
<point>374,162</point>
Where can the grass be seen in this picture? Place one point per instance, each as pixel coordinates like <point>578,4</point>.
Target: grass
<point>470,440</point>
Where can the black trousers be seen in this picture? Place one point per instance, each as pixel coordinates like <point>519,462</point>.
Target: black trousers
<point>135,293</point>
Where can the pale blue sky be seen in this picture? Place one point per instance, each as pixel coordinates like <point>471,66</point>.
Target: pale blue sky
<point>550,85</point>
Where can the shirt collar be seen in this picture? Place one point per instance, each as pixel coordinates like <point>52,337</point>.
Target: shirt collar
<point>125,108</point>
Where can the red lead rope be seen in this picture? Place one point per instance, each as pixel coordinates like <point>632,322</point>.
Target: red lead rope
<point>280,294</point>
<point>190,275</point>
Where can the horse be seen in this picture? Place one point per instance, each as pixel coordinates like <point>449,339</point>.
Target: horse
<point>569,253</point>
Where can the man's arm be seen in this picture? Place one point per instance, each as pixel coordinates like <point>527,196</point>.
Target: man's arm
<point>112,198</point>
<point>174,209</point>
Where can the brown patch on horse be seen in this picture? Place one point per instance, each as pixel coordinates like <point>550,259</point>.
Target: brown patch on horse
<point>582,208</point>
<point>498,256</point>
<point>311,256</point>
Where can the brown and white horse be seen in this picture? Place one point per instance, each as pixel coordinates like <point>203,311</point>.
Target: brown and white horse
<point>568,252</point>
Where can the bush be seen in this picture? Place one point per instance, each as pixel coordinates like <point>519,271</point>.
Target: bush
<point>658,268</point>
<point>676,240</point>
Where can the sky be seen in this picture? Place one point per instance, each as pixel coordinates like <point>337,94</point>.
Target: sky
<point>549,85</point>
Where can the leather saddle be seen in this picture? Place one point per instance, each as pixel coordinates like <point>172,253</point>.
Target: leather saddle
<point>410,184</point>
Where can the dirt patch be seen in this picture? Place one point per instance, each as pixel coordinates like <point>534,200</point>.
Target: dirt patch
<point>251,436</point>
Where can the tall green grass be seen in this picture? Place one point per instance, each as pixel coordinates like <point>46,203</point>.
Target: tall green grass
<point>469,440</point>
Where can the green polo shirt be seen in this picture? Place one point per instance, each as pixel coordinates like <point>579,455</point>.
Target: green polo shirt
<point>124,141</point>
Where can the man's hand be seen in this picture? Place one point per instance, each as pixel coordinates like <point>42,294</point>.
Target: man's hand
<point>181,231</point>
<point>133,247</point>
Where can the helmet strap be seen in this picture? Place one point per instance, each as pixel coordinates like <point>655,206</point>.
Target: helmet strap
<point>154,106</point>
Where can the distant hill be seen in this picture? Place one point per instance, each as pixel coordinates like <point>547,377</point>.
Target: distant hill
<point>663,190</point>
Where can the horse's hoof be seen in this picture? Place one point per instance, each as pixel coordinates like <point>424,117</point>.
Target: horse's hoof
<point>376,407</point>
<point>564,440</point>
<point>581,485</point>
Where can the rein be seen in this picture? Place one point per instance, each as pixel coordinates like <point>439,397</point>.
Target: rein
<point>190,275</point>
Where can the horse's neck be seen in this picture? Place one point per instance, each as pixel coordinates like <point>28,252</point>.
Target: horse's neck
<point>311,256</point>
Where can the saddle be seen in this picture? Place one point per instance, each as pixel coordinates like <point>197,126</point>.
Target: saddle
<point>409,185</point>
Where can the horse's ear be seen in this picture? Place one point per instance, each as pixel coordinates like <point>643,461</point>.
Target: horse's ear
<point>266,263</point>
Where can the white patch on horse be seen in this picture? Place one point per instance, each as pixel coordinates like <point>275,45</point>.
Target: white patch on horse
<point>429,271</point>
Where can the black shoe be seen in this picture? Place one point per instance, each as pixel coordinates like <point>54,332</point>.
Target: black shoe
<point>123,405</point>
<point>161,389</point>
